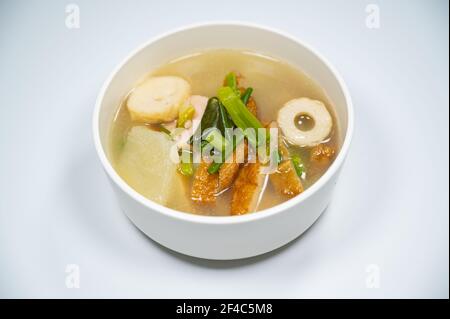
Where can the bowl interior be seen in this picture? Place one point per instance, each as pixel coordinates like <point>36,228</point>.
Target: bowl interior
<point>230,36</point>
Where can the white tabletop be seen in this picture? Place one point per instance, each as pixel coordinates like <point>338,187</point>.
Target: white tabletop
<point>386,233</point>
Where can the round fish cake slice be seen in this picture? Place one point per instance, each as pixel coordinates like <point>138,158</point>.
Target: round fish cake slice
<point>316,110</point>
<point>158,99</point>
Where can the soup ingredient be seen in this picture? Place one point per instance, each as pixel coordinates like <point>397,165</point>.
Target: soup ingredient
<point>214,167</point>
<point>251,105</point>
<point>239,113</point>
<point>186,167</point>
<point>248,189</point>
<point>186,114</point>
<point>322,154</point>
<point>286,179</point>
<point>225,122</point>
<point>210,118</point>
<point>228,171</point>
<point>199,103</point>
<point>232,82</point>
<point>145,159</point>
<point>205,185</point>
<point>246,95</point>
<point>298,165</point>
<point>314,109</point>
<point>320,158</point>
<point>158,99</point>
<point>163,129</point>
<point>213,137</point>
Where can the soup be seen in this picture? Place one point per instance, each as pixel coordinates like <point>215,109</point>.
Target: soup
<point>223,132</point>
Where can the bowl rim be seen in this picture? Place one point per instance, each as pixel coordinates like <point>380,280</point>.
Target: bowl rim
<point>262,214</point>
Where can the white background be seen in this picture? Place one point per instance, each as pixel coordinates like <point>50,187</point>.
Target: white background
<point>390,207</point>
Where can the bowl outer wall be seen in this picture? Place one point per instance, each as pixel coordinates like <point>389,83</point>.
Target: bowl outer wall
<point>224,237</point>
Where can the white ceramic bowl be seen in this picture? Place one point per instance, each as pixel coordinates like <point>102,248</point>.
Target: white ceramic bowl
<point>235,236</point>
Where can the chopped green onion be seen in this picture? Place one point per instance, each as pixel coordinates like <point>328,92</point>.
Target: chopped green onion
<point>216,139</point>
<point>298,165</point>
<point>231,81</point>
<point>186,114</point>
<point>246,96</point>
<point>214,167</point>
<point>165,130</point>
<point>210,118</point>
<point>186,167</point>
<point>239,113</point>
<point>203,143</point>
<point>237,110</point>
<point>224,122</point>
